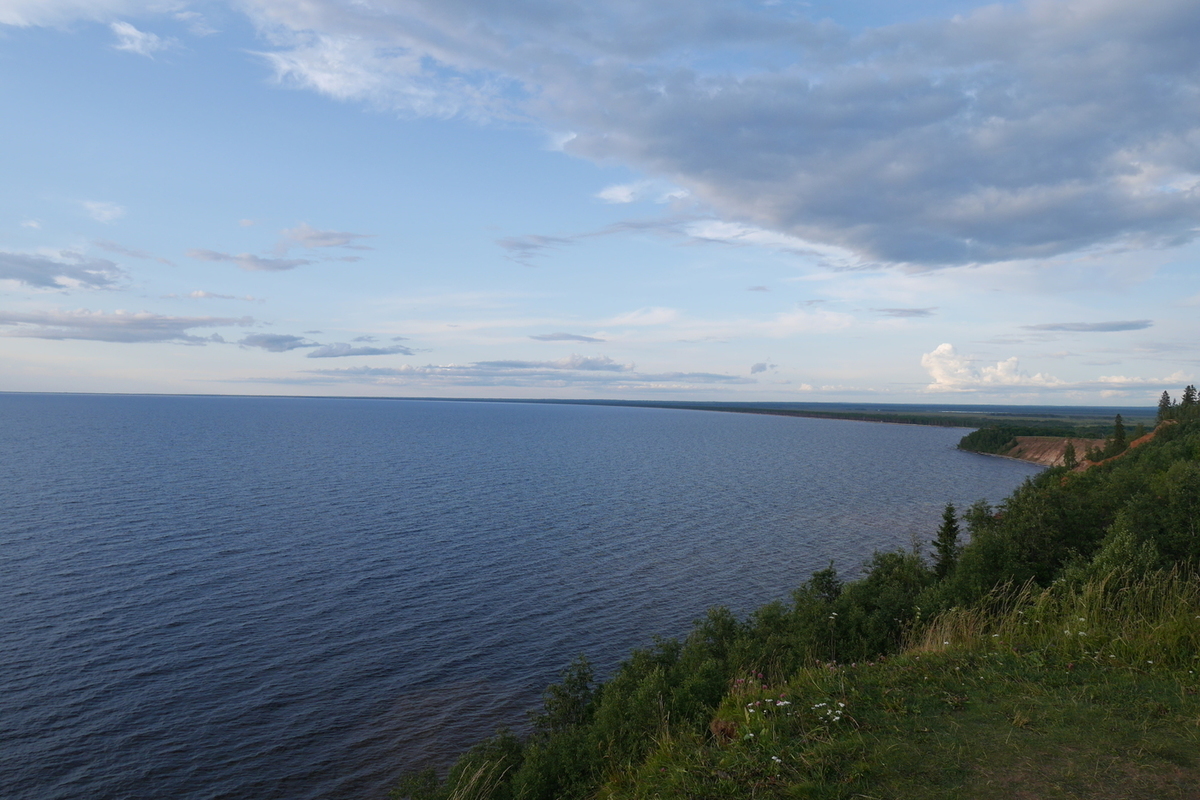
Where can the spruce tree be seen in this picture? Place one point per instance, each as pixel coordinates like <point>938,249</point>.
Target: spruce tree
<point>1070,460</point>
<point>1118,439</point>
<point>1164,407</point>
<point>1188,400</point>
<point>945,546</point>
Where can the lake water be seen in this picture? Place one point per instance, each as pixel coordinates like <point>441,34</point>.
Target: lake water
<point>215,597</point>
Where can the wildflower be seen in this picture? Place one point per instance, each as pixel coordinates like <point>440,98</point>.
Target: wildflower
<point>777,759</point>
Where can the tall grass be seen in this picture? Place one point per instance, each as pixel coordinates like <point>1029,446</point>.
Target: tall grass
<point>1135,620</point>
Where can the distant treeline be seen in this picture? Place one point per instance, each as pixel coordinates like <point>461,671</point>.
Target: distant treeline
<point>1135,514</point>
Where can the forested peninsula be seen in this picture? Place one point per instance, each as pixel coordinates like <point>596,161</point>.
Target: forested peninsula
<point>1054,653</point>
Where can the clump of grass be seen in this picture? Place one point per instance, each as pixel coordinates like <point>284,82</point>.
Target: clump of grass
<point>1120,618</point>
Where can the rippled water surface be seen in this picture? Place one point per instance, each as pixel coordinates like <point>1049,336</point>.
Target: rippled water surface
<point>211,597</point>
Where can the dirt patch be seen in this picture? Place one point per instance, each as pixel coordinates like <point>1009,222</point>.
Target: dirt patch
<point>1049,450</point>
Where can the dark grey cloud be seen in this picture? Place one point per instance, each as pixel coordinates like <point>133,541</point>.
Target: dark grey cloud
<point>906,312</point>
<point>1016,130</point>
<point>68,270</point>
<point>250,263</point>
<point>342,349</point>
<point>564,337</point>
<point>276,342</point>
<point>1092,327</point>
<point>121,326</point>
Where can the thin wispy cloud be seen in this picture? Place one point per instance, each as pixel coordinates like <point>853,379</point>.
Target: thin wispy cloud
<point>103,211</point>
<point>307,236</point>
<point>132,252</point>
<point>142,43</point>
<point>119,327</point>
<point>341,350</point>
<point>1092,327</point>
<point>523,249</point>
<point>905,312</point>
<point>564,337</point>
<point>250,262</point>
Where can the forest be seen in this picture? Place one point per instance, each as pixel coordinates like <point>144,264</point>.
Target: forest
<point>1064,620</point>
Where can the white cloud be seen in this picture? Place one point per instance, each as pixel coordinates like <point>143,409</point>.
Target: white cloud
<point>103,211</point>
<point>31,223</point>
<point>952,372</point>
<point>143,43</point>
<point>60,12</point>
<point>657,191</point>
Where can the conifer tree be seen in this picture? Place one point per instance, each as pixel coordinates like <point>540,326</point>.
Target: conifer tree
<point>1164,407</point>
<point>945,546</point>
<point>1070,460</point>
<point>1188,400</point>
<point>1118,439</point>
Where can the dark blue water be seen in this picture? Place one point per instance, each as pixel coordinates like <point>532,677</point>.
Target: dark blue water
<point>301,598</point>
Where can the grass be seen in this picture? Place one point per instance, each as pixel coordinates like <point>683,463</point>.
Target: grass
<point>1086,692</point>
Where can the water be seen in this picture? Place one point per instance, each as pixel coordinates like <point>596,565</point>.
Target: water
<point>208,597</point>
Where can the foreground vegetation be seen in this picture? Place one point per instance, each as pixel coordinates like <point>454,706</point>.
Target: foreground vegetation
<point>1055,655</point>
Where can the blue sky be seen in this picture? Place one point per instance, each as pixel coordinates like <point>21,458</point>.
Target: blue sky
<point>864,201</point>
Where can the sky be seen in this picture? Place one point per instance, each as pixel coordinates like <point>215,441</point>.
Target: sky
<point>861,200</point>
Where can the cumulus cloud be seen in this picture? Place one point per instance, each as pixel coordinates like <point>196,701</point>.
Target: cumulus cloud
<point>250,263</point>
<point>143,43</point>
<point>102,211</point>
<point>564,337</point>
<point>119,326</point>
<point>1092,327</point>
<point>952,372</point>
<point>66,271</point>
<point>307,236</point>
<point>343,349</point>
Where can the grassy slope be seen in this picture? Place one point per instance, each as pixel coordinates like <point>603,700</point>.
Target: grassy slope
<point>1037,701</point>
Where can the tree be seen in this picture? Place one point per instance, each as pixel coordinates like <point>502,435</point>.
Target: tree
<point>1070,460</point>
<point>1188,400</point>
<point>1118,437</point>
<point>945,546</point>
<point>1164,407</point>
